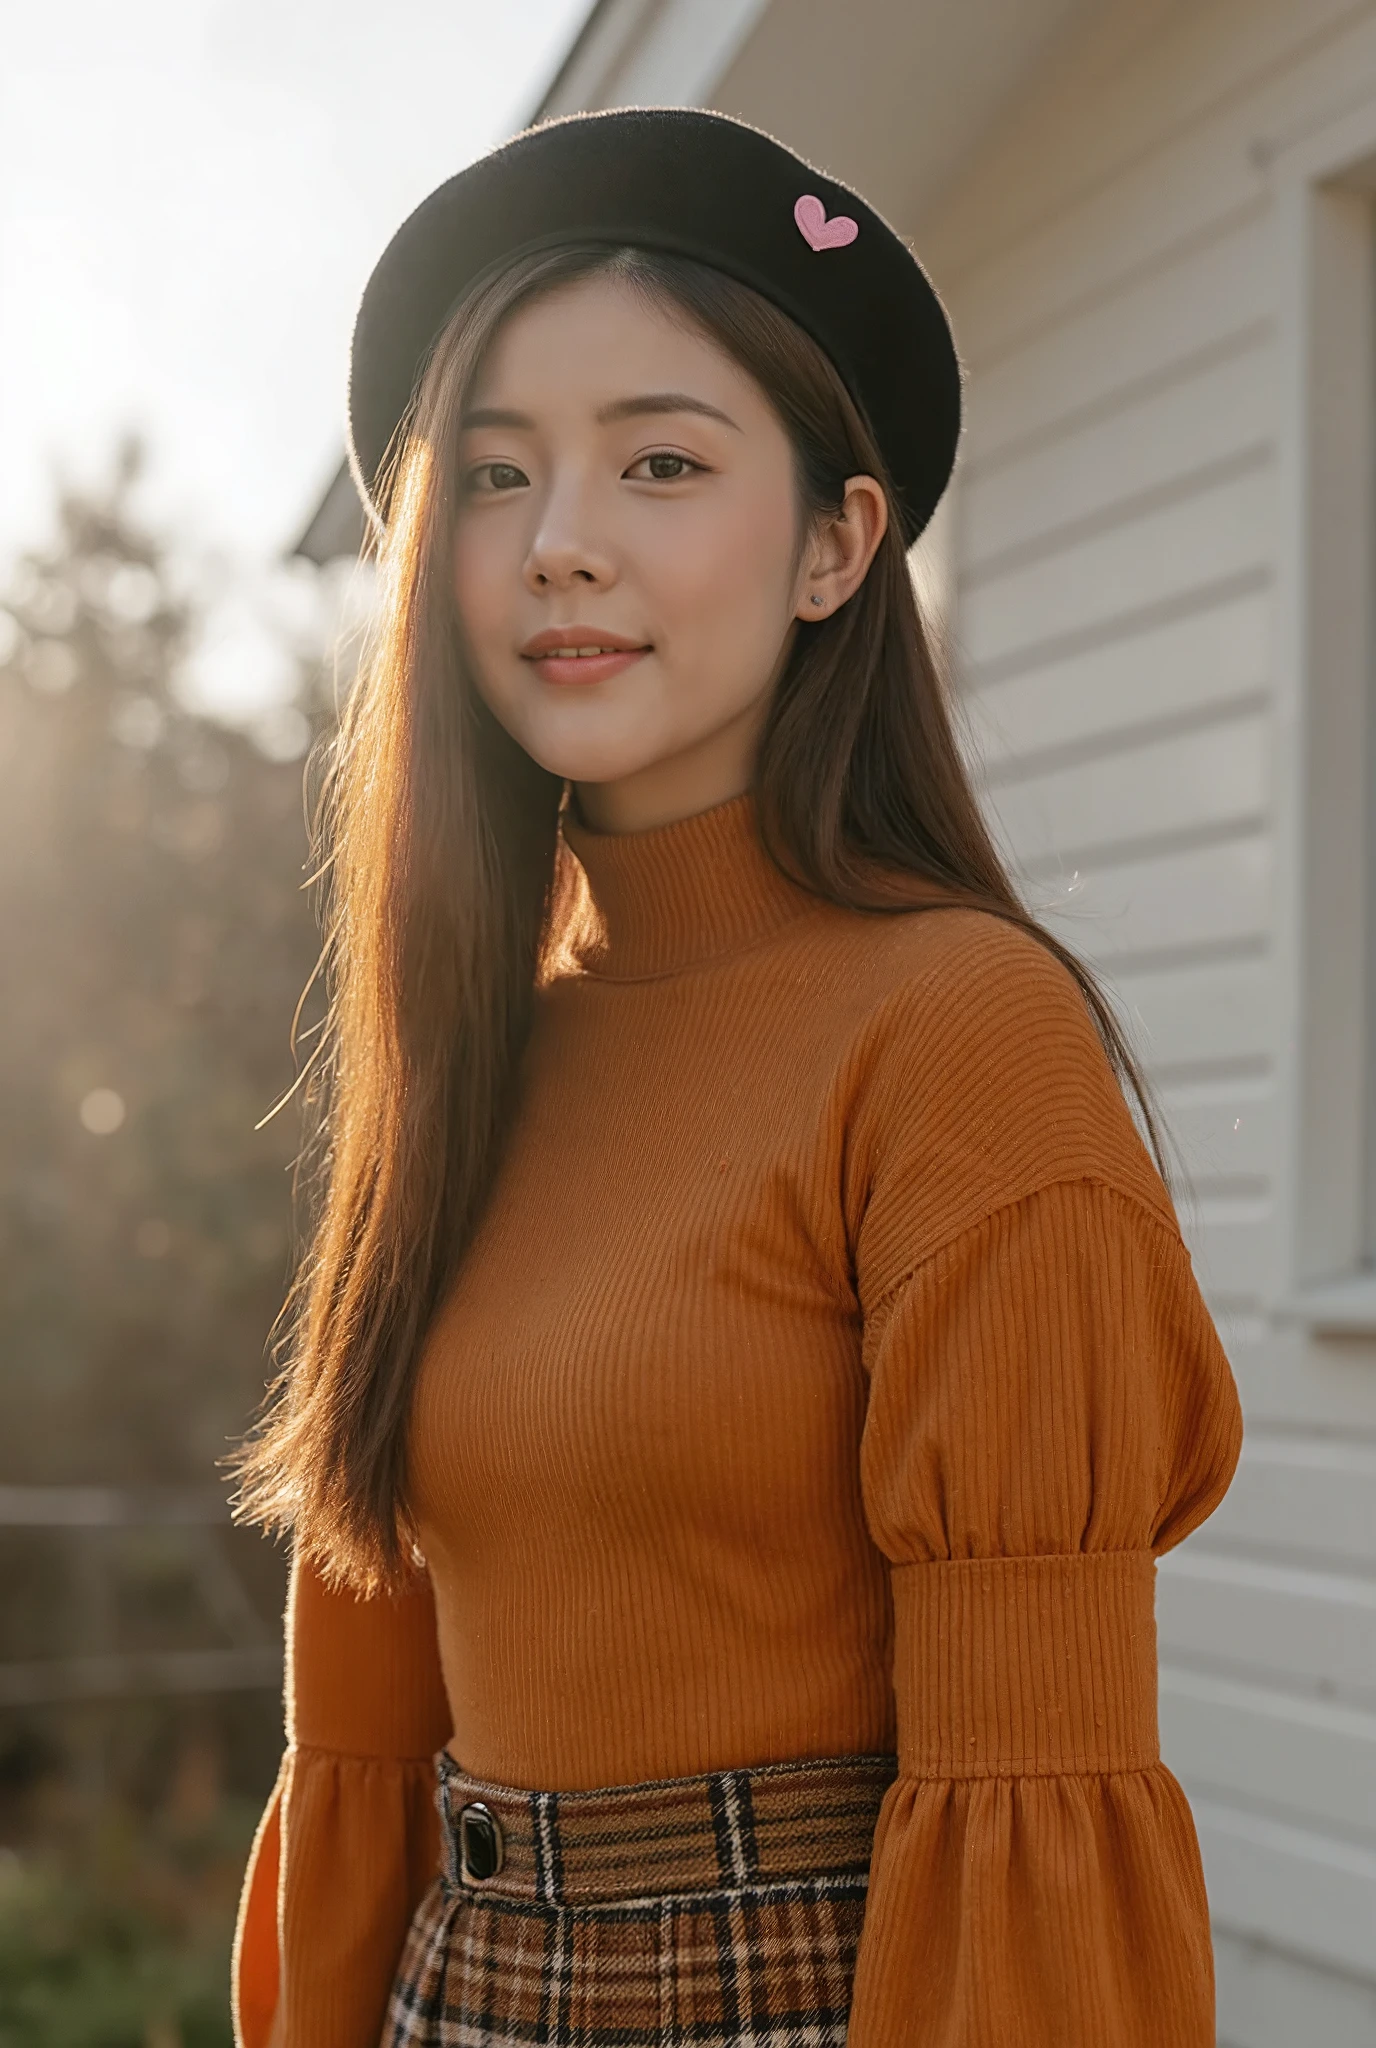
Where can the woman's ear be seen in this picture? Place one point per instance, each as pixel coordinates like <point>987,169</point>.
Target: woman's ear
<point>841,550</point>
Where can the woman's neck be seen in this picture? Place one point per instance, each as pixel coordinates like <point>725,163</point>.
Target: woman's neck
<point>675,895</point>
<point>679,785</point>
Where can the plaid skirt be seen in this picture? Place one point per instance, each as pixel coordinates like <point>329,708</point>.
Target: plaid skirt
<point>705,1912</point>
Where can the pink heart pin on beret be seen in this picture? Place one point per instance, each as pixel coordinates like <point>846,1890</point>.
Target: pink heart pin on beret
<point>819,232</point>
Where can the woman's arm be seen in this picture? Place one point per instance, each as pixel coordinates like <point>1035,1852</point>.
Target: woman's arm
<point>349,1841</point>
<point>1050,1409</point>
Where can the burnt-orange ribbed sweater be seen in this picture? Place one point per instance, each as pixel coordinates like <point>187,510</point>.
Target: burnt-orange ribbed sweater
<point>825,1376</point>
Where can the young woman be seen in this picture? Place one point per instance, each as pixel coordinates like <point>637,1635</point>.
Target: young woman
<point>746,1362</point>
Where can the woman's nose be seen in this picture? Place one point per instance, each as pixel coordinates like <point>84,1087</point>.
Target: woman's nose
<point>566,549</point>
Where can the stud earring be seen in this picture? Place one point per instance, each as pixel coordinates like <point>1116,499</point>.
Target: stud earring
<point>819,600</point>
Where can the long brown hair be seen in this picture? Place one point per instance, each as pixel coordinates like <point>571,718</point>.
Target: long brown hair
<point>448,895</point>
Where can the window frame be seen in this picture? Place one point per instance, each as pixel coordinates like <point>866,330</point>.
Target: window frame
<point>1324,184</point>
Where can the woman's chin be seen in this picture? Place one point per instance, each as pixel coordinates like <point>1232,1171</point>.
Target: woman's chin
<point>592,763</point>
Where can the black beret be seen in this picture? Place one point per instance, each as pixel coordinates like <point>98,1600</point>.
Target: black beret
<point>703,185</point>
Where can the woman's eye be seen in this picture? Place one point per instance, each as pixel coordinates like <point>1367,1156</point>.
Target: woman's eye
<point>500,476</point>
<point>665,467</point>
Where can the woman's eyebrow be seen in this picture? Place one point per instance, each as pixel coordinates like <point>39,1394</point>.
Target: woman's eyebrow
<point>495,416</point>
<point>646,402</point>
<point>661,402</point>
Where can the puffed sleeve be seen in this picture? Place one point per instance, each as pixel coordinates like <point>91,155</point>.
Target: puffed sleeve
<point>349,1841</point>
<point>1049,1409</point>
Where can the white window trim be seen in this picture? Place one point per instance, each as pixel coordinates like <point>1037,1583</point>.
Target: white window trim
<point>1325,640</point>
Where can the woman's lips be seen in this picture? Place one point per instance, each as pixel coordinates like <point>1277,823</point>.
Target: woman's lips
<point>584,668</point>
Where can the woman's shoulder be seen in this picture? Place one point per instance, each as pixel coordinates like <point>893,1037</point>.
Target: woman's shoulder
<point>961,947</point>
<point>946,976</point>
<point>979,1069</point>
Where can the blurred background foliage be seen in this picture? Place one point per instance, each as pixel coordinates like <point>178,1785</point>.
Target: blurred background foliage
<point>156,938</point>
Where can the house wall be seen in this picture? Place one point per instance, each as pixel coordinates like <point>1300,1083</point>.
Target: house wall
<point>1116,266</point>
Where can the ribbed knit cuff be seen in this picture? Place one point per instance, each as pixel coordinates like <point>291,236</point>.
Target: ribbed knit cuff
<point>1026,1666</point>
<point>363,1675</point>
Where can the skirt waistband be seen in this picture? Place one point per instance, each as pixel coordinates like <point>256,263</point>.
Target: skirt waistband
<point>716,1830</point>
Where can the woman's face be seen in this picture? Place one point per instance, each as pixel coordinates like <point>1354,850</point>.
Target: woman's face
<point>624,485</point>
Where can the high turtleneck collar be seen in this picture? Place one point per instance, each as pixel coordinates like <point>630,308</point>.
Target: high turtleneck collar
<point>679,893</point>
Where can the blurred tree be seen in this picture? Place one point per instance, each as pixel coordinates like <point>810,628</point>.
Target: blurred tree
<point>156,940</point>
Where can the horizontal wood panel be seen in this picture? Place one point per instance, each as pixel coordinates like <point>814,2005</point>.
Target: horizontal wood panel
<point>1235,1246</point>
<point>1287,1884</point>
<point>1315,1629</point>
<point>1227,1130</point>
<point>1180,666</point>
<point>1200,1014</point>
<point>1114,233</point>
<point>1154,561</point>
<point>1120,222</point>
<point>1313,1497</point>
<point>1120,91</point>
<point>1216,296</point>
<point>1210,896</point>
<point>1256,1747</point>
<point>1291,1380</point>
<point>1270,1998</point>
<point>1145,445</point>
<point>1217,776</point>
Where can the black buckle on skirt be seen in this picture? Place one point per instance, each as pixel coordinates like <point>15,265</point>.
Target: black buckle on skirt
<point>481,1845</point>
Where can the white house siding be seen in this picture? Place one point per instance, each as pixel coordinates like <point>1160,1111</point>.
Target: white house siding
<point>1112,261</point>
